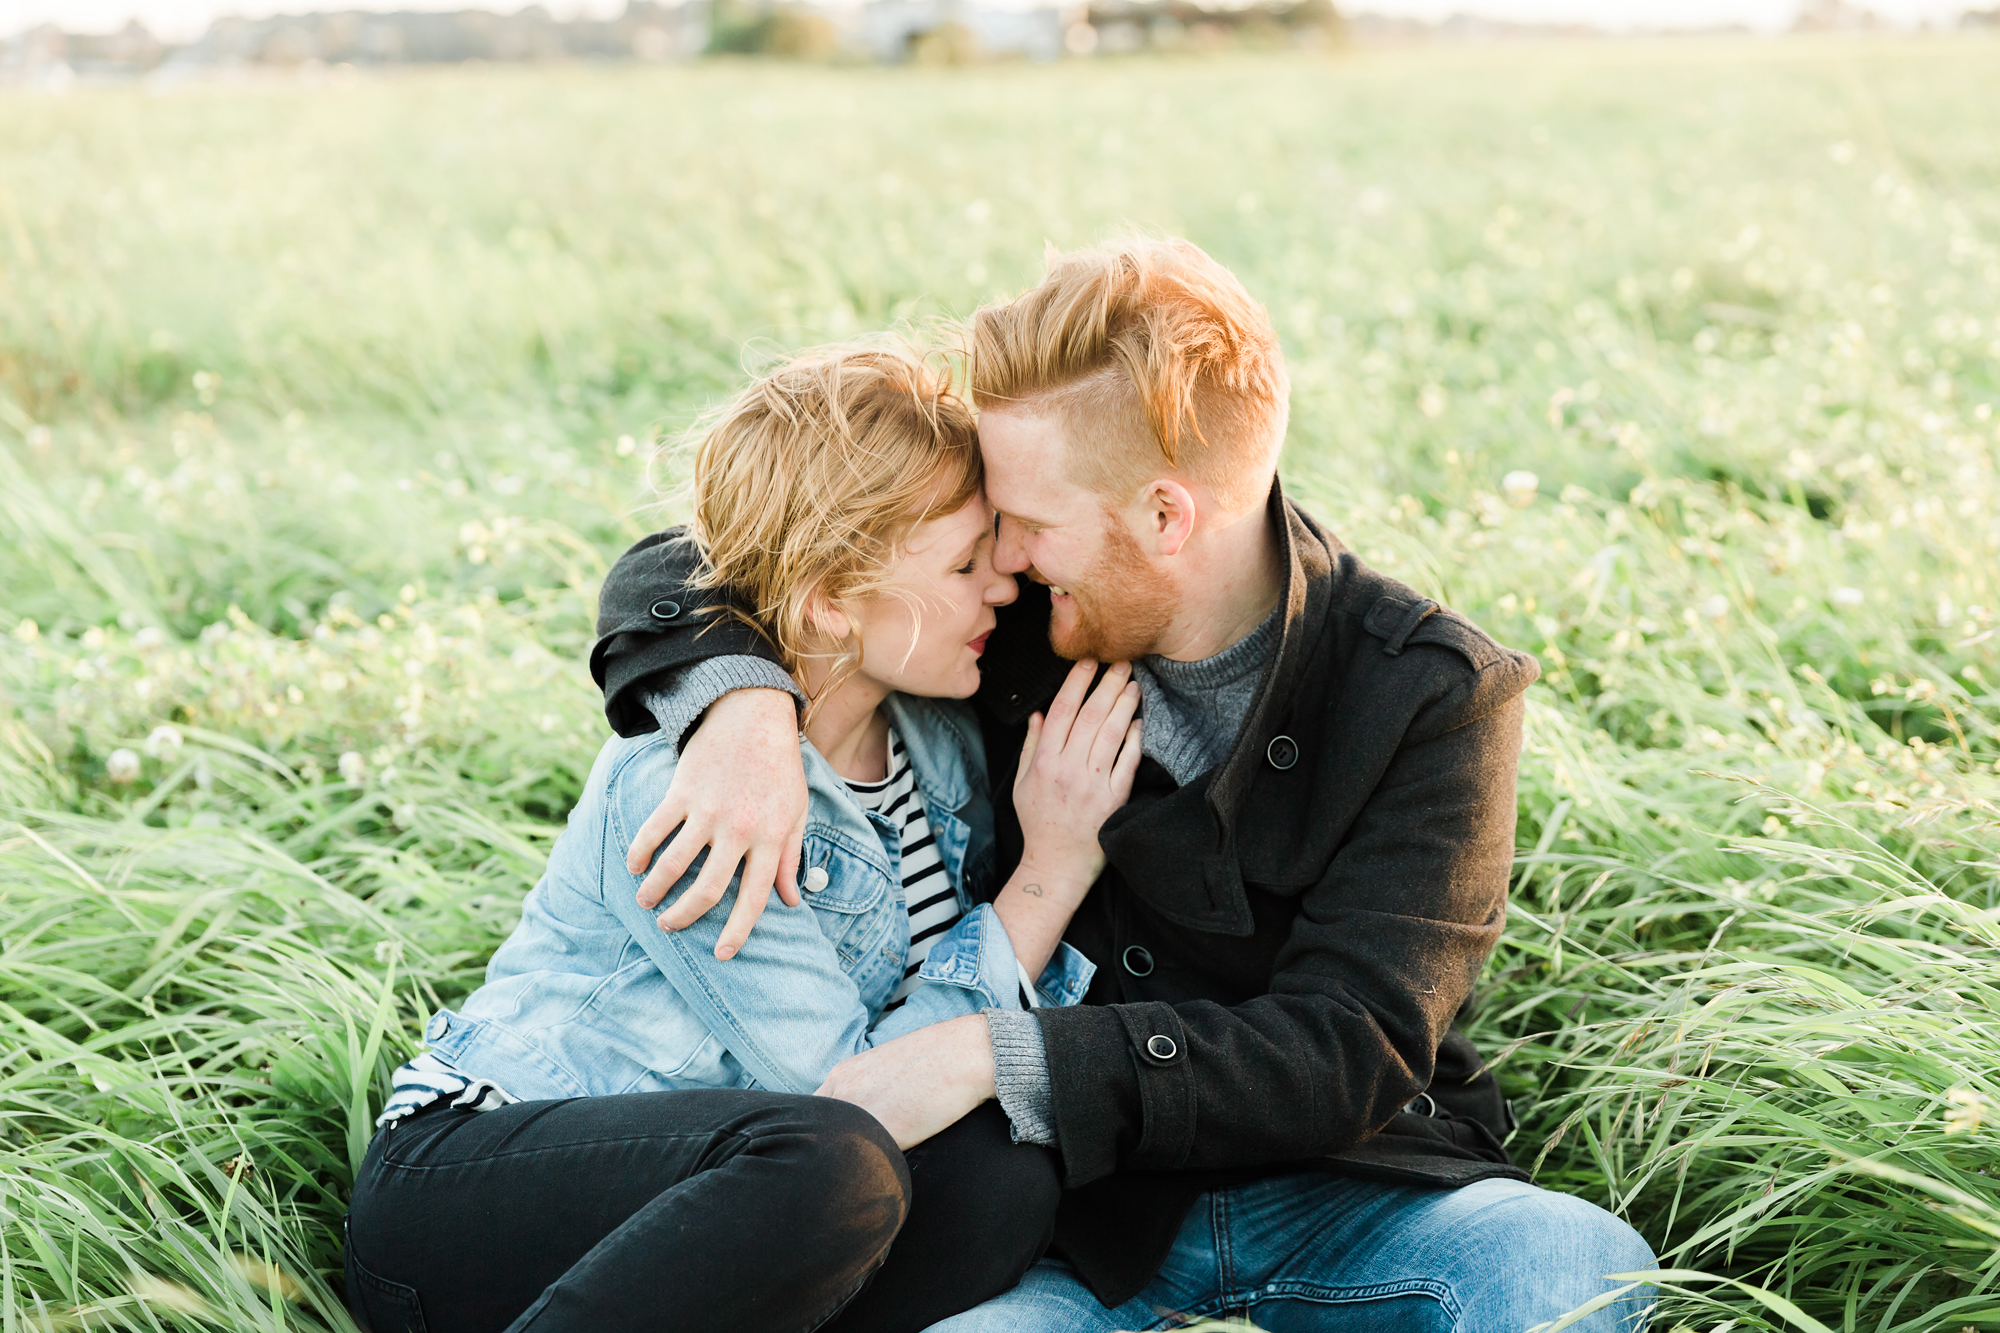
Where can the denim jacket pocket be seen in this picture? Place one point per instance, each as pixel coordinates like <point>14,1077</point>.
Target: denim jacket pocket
<point>849,895</point>
<point>836,877</point>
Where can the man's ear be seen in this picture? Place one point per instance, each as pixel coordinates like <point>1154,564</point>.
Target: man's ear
<point>1170,515</point>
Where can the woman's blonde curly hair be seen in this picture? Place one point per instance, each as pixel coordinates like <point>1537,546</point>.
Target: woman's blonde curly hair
<point>806,483</point>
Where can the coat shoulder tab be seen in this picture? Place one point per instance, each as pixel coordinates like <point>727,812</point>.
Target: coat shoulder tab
<point>1394,619</point>
<point>1449,629</point>
<point>1401,621</point>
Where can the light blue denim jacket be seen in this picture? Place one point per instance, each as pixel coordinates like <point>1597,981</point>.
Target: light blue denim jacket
<point>589,996</point>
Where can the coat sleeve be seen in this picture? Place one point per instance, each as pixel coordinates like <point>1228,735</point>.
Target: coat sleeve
<point>1386,946</point>
<point>650,621</point>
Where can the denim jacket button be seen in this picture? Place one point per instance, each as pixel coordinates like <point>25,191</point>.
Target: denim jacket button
<point>815,879</point>
<point>437,1027</point>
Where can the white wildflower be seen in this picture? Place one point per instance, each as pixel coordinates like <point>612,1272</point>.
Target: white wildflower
<point>165,741</point>
<point>1967,1113</point>
<point>1520,486</point>
<point>122,766</point>
<point>353,768</point>
<point>1715,607</point>
<point>1848,597</point>
<point>161,1294</point>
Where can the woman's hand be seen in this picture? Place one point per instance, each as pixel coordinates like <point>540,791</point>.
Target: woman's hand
<point>1076,768</point>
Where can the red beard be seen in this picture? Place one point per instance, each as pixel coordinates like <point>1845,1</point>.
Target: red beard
<point>1123,608</point>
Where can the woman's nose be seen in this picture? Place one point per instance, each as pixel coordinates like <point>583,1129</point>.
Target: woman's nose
<point>1002,589</point>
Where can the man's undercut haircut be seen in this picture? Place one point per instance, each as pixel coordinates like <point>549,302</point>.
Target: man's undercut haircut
<point>808,482</point>
<point>1149,353</point>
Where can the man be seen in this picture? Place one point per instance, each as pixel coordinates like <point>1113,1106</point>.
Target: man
<point>1262,1108</point>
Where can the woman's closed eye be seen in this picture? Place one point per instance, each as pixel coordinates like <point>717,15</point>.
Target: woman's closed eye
<point>971,565</point>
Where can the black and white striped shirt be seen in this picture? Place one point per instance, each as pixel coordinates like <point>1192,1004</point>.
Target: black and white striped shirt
<point>427,1079</point>
<point>927,892</point>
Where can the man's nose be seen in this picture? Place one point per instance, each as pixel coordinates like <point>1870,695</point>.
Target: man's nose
<point>1010,548</point>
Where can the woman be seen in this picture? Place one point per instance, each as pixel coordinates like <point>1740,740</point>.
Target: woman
<point>613,1131</point>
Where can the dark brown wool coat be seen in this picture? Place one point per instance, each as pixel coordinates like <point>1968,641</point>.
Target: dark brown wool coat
<point>1282,944</point>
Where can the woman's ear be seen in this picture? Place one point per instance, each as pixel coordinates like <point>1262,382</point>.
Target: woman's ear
<point>827,619</point>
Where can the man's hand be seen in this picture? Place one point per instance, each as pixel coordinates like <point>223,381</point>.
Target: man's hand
<point>740,791</point>
<point>921,1083</point>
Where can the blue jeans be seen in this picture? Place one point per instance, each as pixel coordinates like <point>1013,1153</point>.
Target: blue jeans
<point>1315,1253</point>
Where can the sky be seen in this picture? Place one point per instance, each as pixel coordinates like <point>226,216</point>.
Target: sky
<point>183,20</point>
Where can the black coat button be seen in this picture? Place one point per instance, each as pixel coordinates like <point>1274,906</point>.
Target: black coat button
<point>665,610</point>
<point>1283,752</point>
<point>1161,1047</point>
<point>1138,960</point>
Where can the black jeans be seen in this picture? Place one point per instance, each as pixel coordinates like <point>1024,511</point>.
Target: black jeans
<point>711,1210</point>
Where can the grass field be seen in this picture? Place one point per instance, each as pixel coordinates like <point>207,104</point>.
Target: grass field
<point>323,410</point>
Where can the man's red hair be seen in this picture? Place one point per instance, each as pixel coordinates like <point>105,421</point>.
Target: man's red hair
<point>1151,353</point>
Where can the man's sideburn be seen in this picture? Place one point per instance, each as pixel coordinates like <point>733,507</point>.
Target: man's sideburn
<point>1123,605</point>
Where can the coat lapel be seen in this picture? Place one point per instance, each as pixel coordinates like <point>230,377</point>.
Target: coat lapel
<point>1153,842</point>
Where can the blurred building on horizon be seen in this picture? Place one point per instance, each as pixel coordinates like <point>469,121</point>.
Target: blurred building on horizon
<point>879,31</point>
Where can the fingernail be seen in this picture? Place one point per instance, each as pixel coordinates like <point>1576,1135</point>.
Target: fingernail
<point>661,922</point>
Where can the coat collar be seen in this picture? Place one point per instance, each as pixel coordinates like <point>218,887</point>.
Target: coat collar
<point>1307,554</point>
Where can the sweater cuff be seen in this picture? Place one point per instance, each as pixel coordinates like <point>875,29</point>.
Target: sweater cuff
<point>679,698</point>
<point>1021,1075</point>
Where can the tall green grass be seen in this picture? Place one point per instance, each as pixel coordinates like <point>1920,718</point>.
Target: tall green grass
<point>323,410</point>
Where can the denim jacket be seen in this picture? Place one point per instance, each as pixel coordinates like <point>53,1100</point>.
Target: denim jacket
<point>589,996</point>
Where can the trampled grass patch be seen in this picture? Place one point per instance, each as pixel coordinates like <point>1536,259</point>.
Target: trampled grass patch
<point>322,411</point>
